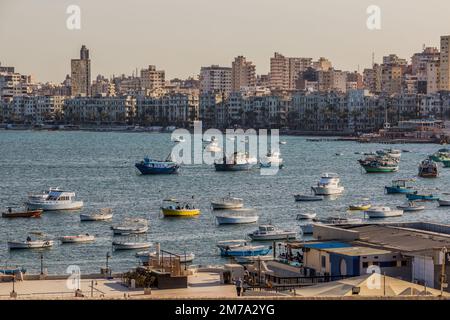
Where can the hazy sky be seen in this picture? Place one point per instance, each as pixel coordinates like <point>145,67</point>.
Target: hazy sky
<point>180,36</point>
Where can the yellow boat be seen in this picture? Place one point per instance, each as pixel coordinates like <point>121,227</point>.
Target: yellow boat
<point>175,208</point>
<point>359,207</point>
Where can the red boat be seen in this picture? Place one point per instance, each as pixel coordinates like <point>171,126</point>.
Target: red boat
<point>22,214</point>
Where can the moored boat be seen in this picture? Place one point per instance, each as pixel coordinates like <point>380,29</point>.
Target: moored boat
<point>269,232</point>
<point>379,164</point>
<point>103,215</point>
<point>176,208</point>
<point>77,239</point>
<point>128,245</point>
<point>272,159</point>
<point>399,186</point>
<point>306,215</point>
<point>227,203</point>
<point>145,256</point>
<point>423,197</point>
<point>359,207</point>
<point>22,214</point>
<point>239,216</point>
<point>234,248</point>
<point>329,184</point>
<point>152,166</point>
<point>236,162</point>
<point>304,197</point>
<point>411,206</point>
<point>127,230</point>
<point>446,163</point>
<point>444,203</point>
<point>30,244</point>
<point>428,169</point>
<point>54,199</point>
<point>383,212</point>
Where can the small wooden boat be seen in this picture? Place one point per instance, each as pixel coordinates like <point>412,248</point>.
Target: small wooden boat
<point>303,197</point>
<point>227,203</point>
<point>359,207</point>
<point>30,244</point>
<point>446,163</point>
<point>175,208</point>
<point>306,216</point>
<point>444,203</point>
<point>22,214</point>
<point>104,214</point>
<point>428,169</point>
<point>118,245</point>
<point>234,248</point>
<point>383,212</point>
<point>399,186</point>
<point>269,232</point>
<point>145,256</point>
<point>77,239</point>
<point>238,216</point>
<point>411,206</point>
<point>127,230</point>
<point>423,197</point>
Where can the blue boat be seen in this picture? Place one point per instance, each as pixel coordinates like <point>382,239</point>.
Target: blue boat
<point>12,271</point>
<point>152,166</point>
<point>240,248</point>
<point>425,197</point>
<point>399,186</point>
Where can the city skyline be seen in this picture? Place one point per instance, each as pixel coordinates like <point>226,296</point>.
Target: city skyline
<point>112,52</point>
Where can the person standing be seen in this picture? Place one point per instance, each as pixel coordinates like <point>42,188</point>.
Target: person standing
<point>238,286</point>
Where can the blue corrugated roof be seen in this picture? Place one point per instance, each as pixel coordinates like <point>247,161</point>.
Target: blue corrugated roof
<point>327,245</point>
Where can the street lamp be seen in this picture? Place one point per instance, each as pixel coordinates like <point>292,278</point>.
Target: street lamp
<point>42,264</point>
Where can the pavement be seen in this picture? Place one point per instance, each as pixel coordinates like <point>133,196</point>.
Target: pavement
<point>202,285</point>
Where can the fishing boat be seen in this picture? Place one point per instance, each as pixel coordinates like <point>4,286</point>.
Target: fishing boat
<point>428,169</point>
<point>444,203</point>
<point>303,197</point>
<point>145,256</point>
<point>127,230</point>
<point>152,166</point>
<point>213,147</point>
<point>81,238</point>
<point>382,212</point>
<point>423,197</point>
<point>238,216</point>
<point>269,232</point>
<point>399,186</point>
<point>235,248</point>
<point>30,244</point>
<point>22,214</point>
<point>177,208</point>
<point>103,215</point>
<point>411,206</point>
<point>53,199</point>
<point>391,153</point>
<point>446,163</point>
<point>379,164</point>
<point>329,184</point>
<point>272,159</point>
<point>227,203</point>
<point>359,207</point>
<point>306,216</point>
<point>236,162</point>
<point>441,155</point>
<point>125,245</point>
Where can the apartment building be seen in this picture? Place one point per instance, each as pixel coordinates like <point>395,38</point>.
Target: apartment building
<point>215,79</point>
<point>243,74</point>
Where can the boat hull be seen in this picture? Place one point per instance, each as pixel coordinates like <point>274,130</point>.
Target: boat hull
<point>226,206</point>
<point>421,197</point>
<point>180,213</point>
<point>395,190</point>
<point>145,169</point>
<point>55,206</point>
<point>126,231</point>
<point>85,217</point>
<point>307,198</point>
<point>446,163</point>
<point>130,246</point>
<point>243,253</point>
<point>324,191</point>
<point>12,245</point>
<point>370,169</point>
<point>384,214</point>
<point>236,220</point>
<point>25,214</point>
<point>69,239</point>
<point>444,203</point>
<point>233,167</point>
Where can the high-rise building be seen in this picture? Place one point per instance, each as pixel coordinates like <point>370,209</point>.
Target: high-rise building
<point>444,64</point>
<point>215,79</point>
<point>243,74</point>
<point>152,79</point>
<point>372,78</point>
<point>81,74</point>
<point>284,71</point>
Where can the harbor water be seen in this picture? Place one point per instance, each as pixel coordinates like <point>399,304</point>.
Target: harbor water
<point>99,167</point>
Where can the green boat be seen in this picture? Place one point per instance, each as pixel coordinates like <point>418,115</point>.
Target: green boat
<point>380,169</point>
<point>440,156</point>
<point>378,165</point>
<point>446,163</point>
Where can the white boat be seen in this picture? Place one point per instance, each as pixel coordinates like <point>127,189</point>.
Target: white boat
<point>239,216</point>
<point>411,206</point>
<point>269,232</point>
<point>328,185</point>
<point>145,256</point>
<point>127,230</point>
<point>306,216</point>
<point>119,245</point>
<point>77,239</point>
<point>444,203</point>
<point>303,197</point>
<point>383,212</point>
<point>272,159</point>
<point>30,244</point>
<point>213,147</point>
<point>283,142</point>
<point>392,153</point>
<point>102,215</point>
<point>54,199</point>
<point>227,203</point>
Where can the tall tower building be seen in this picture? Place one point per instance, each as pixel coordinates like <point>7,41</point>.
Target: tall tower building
<point>152,78</point>
<point>444,64</point>
<point>81,74</point>
<point>243,74</point>
<point>215,79</point>
<point>284,71</point>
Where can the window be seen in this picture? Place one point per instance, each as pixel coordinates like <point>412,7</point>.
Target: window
<point>324,262</point>
<point>404,263</point>
<point>365,265</point>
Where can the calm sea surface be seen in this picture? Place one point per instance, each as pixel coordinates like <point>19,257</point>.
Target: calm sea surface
<point>99,167</point>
